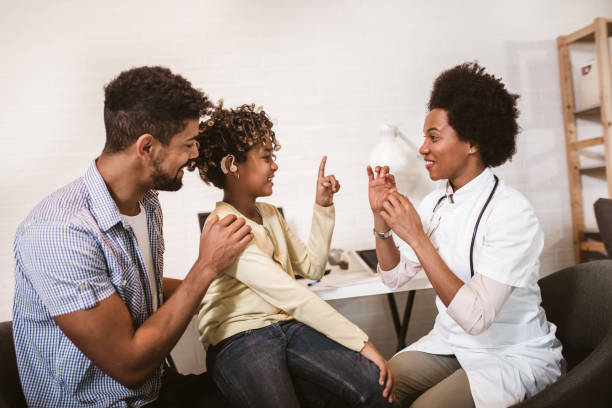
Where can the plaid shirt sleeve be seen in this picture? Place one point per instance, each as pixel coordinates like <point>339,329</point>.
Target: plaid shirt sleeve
<point>65,265</point>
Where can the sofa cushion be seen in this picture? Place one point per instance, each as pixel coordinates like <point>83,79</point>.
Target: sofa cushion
<point>10,387</point>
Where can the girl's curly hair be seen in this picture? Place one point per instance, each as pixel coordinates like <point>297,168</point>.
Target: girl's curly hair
<point>480,109</point>
<point>230,131</point>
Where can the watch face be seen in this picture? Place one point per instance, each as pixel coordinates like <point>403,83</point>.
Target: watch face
<point>383,235</point>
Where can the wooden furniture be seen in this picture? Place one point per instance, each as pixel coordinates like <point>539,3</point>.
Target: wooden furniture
<point>598,32</point>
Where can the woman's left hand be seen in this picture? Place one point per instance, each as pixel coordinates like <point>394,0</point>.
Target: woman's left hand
<point>401,216</point>
<point>327,186</point>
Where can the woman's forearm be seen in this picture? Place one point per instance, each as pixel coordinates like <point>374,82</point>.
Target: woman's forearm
<point>386,252</point>
<point>444,281</point>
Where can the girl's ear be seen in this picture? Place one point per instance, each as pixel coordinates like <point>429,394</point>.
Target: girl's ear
<point>233,167</point>
<point>227,164</point>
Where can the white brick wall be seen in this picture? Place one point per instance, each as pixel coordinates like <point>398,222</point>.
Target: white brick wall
<point>329,72</point>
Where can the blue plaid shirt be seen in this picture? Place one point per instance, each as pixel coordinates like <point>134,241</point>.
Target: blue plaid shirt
<point>72,251</point>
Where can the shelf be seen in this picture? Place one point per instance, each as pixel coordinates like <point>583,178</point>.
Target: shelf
<point>592,167</point>
<point>581,144</point>
<point>591,241</point>
<point>598,33</point>
<point>589,110</point>
<point>584,34</point>
<point>592,246</point>
<point>591,234</point>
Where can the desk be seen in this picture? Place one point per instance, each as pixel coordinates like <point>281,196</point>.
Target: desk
<point>361,280</point>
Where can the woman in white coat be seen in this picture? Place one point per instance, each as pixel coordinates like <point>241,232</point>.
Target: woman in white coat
<point>478,241</point>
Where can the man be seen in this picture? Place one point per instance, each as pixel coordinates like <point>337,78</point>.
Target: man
<point>93,317</point>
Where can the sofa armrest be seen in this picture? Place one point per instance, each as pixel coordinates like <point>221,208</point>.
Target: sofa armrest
<point>587,385</point>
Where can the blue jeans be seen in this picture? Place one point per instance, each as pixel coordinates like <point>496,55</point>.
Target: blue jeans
<point>288,364</point>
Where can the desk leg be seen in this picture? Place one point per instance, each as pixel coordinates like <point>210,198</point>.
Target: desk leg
<point>401,328</point>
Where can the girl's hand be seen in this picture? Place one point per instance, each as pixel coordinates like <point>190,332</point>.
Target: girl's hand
<point>386,378</point>
<point>380,187</point>
<point>399,214</point>
<point>327,186</point>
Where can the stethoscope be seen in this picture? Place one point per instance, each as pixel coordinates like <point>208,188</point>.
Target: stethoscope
<point>484,207</point>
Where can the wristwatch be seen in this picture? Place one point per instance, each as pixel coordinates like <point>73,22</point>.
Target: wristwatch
<point>381,235</point>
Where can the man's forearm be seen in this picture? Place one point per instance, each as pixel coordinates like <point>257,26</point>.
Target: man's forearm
<point>169,285</point>
<point>154,340</point>
<point>105,333</point>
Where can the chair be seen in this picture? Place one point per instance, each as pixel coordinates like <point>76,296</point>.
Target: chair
<point>603,216</point>
<point>204,215</point>
<point>11,395</point>
<point>578,301</point>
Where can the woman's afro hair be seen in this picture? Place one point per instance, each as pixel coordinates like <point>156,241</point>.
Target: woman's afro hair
<point>480,109</point>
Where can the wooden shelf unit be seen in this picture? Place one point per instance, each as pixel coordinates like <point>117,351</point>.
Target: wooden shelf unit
<point>598,32</point>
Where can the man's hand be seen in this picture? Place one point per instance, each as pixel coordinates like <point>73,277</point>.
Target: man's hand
<point>221,242</point>
<point>386,378</point>
<point>379,187</point>
<point>327,186</point>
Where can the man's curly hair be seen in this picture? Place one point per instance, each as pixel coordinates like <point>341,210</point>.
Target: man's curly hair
<point>480,109</point>
<point>149,100</point>
<point>230,131</point>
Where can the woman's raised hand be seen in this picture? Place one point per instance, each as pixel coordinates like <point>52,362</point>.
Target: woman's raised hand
<point>327,186</point>
<point>379,187</point>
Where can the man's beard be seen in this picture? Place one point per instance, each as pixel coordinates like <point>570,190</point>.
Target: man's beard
<point>164,182</point>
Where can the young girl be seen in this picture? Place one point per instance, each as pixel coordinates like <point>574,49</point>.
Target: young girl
<point>270,341</point>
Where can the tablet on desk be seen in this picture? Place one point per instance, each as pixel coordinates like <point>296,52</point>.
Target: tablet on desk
<point>369,257</point>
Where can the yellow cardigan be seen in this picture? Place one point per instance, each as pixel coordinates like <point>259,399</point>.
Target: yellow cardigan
<point>260,289</point>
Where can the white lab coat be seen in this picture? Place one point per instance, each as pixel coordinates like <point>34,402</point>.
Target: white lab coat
<point>518,355</point>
